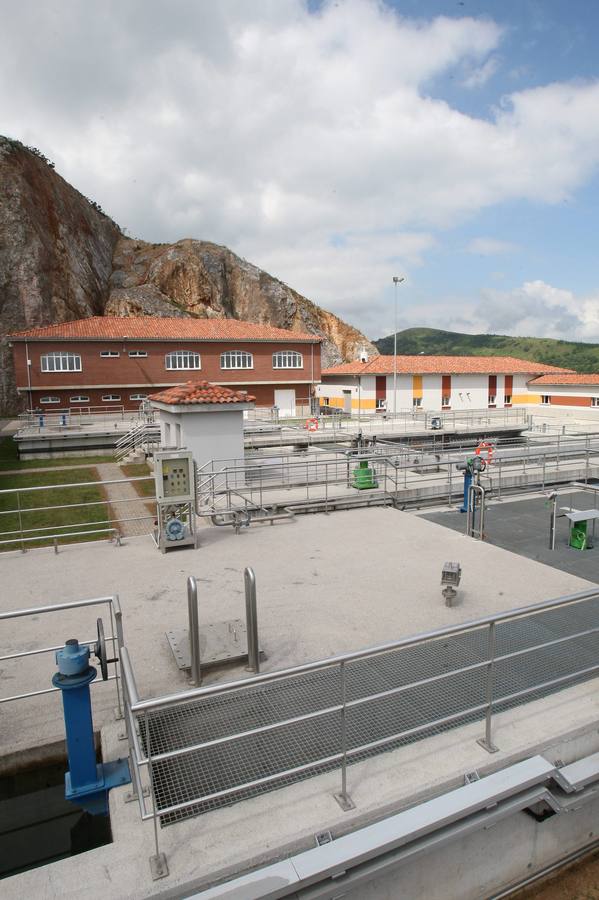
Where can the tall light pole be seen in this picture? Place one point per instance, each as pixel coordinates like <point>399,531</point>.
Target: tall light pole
<point>396,280</point>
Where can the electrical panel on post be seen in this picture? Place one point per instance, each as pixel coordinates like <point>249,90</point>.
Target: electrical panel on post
<point>174,475</point>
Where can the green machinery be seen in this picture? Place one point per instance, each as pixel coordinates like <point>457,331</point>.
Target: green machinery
<point>364,476</point>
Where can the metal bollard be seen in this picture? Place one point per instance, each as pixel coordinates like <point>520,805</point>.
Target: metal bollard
<point>194,630</point>
<point>251,615</point>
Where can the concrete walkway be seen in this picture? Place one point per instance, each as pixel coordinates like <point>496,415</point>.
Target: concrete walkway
<point>125,502</point>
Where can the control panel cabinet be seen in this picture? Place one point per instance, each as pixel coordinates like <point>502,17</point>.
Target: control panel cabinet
<point>174,476</point>
<point>173,471</point>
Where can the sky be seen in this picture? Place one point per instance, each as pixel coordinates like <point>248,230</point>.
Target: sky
<point>337,144</point>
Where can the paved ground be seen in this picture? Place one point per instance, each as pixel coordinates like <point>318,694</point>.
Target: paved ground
<point>125,502</point>
<point>522,526</point>
<point>326,584</point>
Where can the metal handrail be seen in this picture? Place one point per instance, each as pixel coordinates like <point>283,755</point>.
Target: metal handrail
<point>518,612</point>
<point>140,710</point>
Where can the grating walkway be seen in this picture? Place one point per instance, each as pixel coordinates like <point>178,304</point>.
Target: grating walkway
<point>224,766</point>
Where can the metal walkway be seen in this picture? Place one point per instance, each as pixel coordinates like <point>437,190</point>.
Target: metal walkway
<point>415,712</point>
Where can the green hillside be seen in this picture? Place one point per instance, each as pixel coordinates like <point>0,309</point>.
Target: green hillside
<point>570,355</point>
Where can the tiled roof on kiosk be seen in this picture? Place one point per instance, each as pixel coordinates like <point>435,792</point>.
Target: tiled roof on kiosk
<point>200,392</point>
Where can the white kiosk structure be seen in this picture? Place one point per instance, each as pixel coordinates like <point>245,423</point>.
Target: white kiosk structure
<point>205,418</point>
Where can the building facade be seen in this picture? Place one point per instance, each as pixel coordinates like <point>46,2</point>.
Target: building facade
<point>113,362</point>
<point>430,383</point>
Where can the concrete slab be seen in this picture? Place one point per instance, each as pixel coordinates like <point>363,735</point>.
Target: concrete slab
<point>326,585</point>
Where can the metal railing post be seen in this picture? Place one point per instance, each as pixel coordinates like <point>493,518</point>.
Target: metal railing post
<point>343,798</point>
<point>251,616</point>
<point>158,864</point>
<point>194,631</point>
<point>487,741</point>
<point>23,550</point>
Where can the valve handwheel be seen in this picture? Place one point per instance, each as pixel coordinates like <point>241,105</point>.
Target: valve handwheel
<point>100,651</point>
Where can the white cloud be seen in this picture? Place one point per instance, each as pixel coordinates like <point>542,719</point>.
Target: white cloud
<point>477,76</point>
<point>307,142</point>
<point>484,246</point>
<point>535,308</point>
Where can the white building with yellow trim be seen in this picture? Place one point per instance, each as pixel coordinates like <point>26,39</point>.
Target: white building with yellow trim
<point>433,383</point>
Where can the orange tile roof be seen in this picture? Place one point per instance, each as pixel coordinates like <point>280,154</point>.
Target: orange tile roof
<point>155,329</point>
<point>200,392</point>
<point>443,365</point>
<point>568,378</point>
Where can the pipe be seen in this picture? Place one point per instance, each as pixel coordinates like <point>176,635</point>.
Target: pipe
<point>194,630</point>
<point>251,615</point>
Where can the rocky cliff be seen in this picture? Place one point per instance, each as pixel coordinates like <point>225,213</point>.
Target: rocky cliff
<point>62,258</point>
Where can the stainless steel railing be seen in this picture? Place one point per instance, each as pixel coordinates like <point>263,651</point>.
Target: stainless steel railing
<point>114,638</point>
<point>111,526</point>
<point>148,756</point>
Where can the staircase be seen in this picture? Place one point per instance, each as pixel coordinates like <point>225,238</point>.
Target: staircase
<point>140,440</point>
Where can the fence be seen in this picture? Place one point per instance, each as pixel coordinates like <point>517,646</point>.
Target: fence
<point>212,746</point>
<point>111,526</point>
<point>320,477</point>
<point>113,639</point>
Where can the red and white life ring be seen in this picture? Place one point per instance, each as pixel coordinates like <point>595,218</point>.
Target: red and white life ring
<point>484,447</point>
<point>311,424</point>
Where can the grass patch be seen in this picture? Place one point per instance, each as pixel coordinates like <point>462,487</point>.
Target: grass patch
<point>9,459</point>
<point>52,518</point>
<point>143,488</point>
<point>136,470</point>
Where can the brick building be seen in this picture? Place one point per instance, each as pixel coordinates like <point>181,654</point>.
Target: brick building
<point>109,362</point>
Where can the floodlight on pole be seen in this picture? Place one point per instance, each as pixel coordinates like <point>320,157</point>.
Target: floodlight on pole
<point>397,279</point>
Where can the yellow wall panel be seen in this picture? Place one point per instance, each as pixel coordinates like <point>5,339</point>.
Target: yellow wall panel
<point>417,386</point>
<point>526,398</point>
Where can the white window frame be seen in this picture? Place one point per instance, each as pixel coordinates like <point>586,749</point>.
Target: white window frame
<point>287,359</point>
<point>109,354</point>
<point>546,399</point>
<point>139,397</point>
<point>138,354</point>
<point>49,399</point>
<point>507,400</point>
<point>492,399</point>
<point>182,359</point>
<point>61,360</point>
<point>236,359</point>
<point>79,398</point>
<point>594,401</point>
<point>110,398</point>
<point>416,402</point>
<point>446,401</point>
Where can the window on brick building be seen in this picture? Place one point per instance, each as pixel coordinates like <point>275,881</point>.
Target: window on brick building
<point>110,398</point>
<point>183,359</point>
<point>138,354</point>
<point>236,359</point>
<point>287,359</point>
<point>60,361</point>
<point>138,396</point>
<point>45,400</point>
<point>109,353</point>
<point>79,398</point>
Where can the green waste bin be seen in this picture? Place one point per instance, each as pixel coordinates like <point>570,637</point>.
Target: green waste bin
<point>578,535</point>
<point>363,476</point>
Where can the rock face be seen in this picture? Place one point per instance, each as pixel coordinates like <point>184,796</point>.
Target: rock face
<point>62,258</point>
<point>206,280</point>
<point>55,252</point>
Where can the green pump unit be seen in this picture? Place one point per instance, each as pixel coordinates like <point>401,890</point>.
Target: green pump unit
<point>363,476</point>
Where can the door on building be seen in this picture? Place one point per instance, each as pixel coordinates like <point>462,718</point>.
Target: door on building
<point>285,401</point>
<point>381,393</point>
<point>347,402</point>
